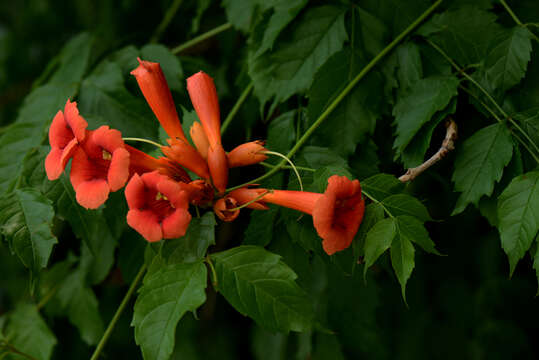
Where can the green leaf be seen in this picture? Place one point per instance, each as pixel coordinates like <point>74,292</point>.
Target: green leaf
<point>536,262</point>
<point>355,117</point>
<point>414,154</point>
<point>240,13</point>
<point>74,60</point>
<point>81,306</point>
<point>518,213</point>
<point>373,214</point>
<point>282,133</point>
<point>166,295</point>
<point>88,225</point>
<point>104,100</point>
<point>410,67</point>
<point>260,229</point>
<point>170,64</point>
<point>193,245</point>
<point>258,284</point>
<point>28,333</point>
<point>381,186</point>
<point>416,108</point>
<point>479,164</point>
<point>507,61</point>
<point>402,259</point>
<point>379,239</point>
<point>529,121</point>
<point>414,231</point>
<point>26,218</point>
<point>284,12</point>
<point>402,204</point>
<point>464,34</point>
<point>318,34</point>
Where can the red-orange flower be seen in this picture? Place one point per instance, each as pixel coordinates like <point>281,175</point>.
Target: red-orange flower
<point>187,156</point>
<point>337,213</point>
<point>204,98</point>
<point>199,139</point>
<point>100,165</point>
<point>67,130</point>
<point>247,154</point>
<point>223,208</point>
<point>154,87</point>
<point>158,207</point>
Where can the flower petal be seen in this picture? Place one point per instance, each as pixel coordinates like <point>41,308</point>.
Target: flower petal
<point>59,132</point>
<point>92,194</point>
<point>76,122</point>
<point>175,225</point>
<point>218,164</point>
<point>134,192</point>
<point>154,87</point>
<point>203,95</point>
<point>118,169</point>
<point>145,223</point>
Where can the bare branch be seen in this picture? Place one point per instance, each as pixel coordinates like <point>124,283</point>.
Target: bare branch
<point>447,145</point>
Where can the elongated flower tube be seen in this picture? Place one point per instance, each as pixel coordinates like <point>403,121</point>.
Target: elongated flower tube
<point>337,213</point>
<point>67,130</point>
<point>204,98</point>
<point>141,163</point>
<point>248,195</point>
<point>100,165</point>
<point>187,156</point>
<point>154,87</point>
<point>247,154</point>
<point>158,207</point>
<point>199,139</point>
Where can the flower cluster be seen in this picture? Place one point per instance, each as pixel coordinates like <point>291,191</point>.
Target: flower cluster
<point>159,190</point>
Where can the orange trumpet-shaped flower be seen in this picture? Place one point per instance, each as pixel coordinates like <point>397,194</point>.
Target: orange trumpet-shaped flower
<point>247,154</point>
<point>141,163</point>
<point>245,195</point>
<point>158,207</point>
<point>199,139</point>
<point>337,213</point>
<point>204,98</point>
<point>218,165</point>
<point>187,156</point>
<point>223,206</point>
<point>100,165</point>
<point>67,130</point>
<point>154,87</point>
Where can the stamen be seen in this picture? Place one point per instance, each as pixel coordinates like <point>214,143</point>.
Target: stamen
<point>106,155</point>
<point>160,196</point>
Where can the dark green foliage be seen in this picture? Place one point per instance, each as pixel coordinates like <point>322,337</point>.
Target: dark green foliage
<point>262,287</point>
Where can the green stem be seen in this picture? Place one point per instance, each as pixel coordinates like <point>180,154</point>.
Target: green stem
<point>142,140</point>
<point>303,168</point>
<point>118,313</point>
<point>343,94</point>
<point>213,273</point>
<point>495,116</point>
<point>11,349</point>
<point>47,297</point>
<point>485,92</point>
<point>510,11</point>
<point>236,107</point>
<point>516,19</point>
<point>374,200</point>
<point>289,162</point>
<point>169,15</point>
<point>178,49</point>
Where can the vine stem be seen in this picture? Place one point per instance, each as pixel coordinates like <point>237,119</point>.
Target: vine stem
<point>178,49</point>
<point>485,92</point>
<point>236,107</point>
<point>142,140</point>
<point>343,94</point>
<point>118,313</point>
<point>169,15</point>
<point>303,168</point>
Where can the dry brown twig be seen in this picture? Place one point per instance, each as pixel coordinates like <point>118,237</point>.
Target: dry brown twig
<point>447,145</point>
